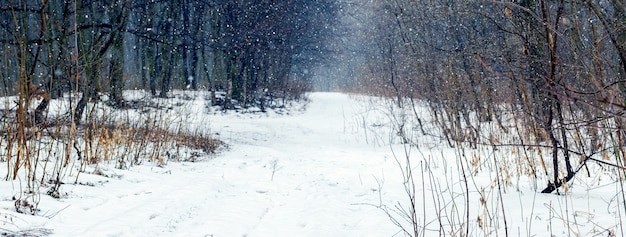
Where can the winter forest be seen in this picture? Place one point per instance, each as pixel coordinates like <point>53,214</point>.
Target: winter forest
<point>312,118</point>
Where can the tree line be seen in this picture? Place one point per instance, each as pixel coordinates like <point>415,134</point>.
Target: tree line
<point>254,51</point>
<point>546,76</point>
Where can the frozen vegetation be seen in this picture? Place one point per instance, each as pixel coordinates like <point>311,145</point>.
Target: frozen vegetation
<point>333,165</point>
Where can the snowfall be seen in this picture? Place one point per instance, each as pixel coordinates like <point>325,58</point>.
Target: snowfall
<point>331,166</point>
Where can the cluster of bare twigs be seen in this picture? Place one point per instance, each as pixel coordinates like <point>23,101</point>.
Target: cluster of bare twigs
<point>444,192</point>
<point>56,151</point>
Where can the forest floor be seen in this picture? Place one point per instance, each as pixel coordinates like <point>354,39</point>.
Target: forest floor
<point>327,170</point>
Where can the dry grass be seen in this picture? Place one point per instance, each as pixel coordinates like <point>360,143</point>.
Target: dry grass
<point>46,156</point>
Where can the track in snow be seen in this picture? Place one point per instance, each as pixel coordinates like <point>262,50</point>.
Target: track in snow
<point>305,174</point>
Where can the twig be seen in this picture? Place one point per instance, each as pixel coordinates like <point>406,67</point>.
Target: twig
<point>606,163</point>
<point>498,176</point>
<point>57,212</point>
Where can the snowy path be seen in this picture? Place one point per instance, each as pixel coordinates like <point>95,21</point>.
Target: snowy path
<point>323,172</point>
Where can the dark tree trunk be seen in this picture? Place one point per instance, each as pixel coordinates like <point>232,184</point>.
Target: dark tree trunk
<point>157,70</point>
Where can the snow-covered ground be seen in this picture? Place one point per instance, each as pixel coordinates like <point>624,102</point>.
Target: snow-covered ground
<point>325,171</point>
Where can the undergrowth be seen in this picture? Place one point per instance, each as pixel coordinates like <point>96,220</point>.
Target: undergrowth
<point>44,157</point>
<point>451,187</point>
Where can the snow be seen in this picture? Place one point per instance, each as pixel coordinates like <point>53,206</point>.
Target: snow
<point>323,171</point>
